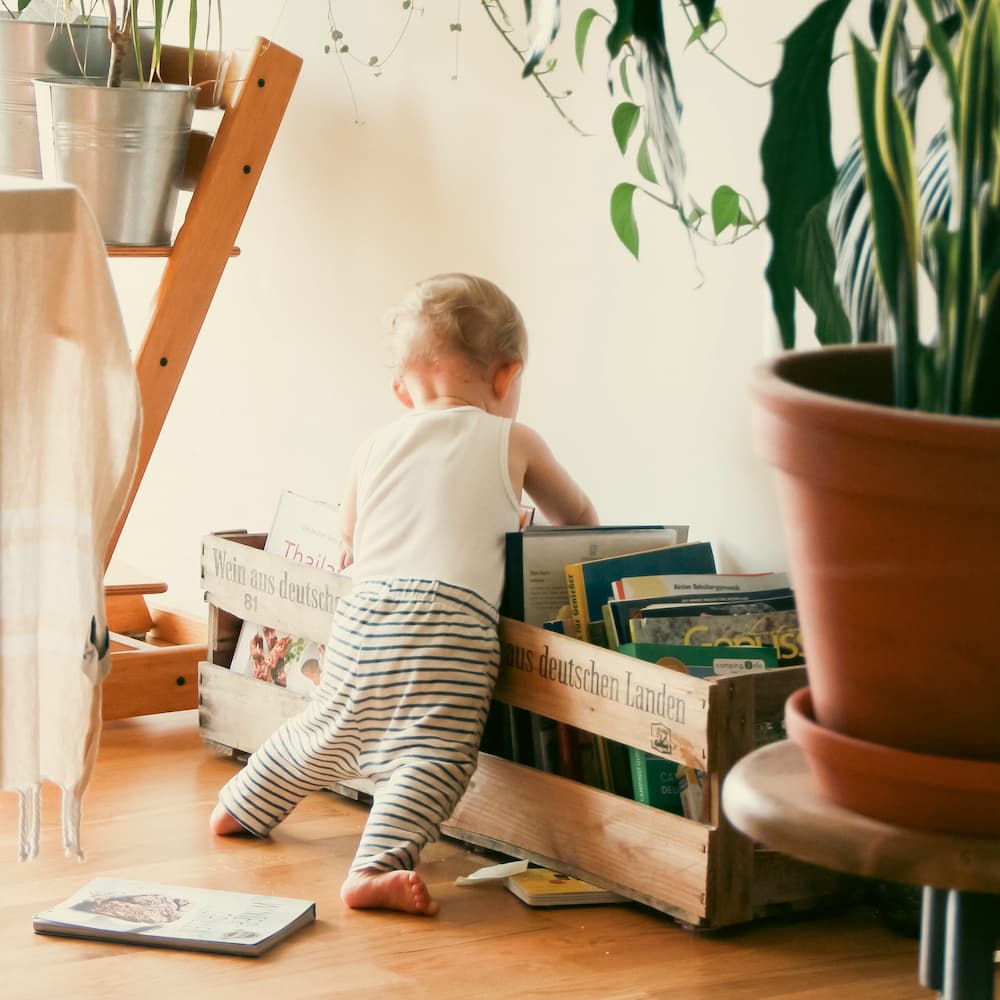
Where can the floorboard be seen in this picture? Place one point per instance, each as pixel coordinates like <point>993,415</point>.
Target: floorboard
<point>146,816</point>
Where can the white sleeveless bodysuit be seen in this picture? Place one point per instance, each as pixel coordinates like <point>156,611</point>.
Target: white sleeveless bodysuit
<point>435,500</point>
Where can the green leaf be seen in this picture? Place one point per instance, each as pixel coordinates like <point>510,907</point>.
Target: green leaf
<point>694,215</point>
<point>796,154</point>
<point>698,31</point>
<point>817,263</point>
<point>623,122</point>
<point>895,261</point>
<point>623,217</point>
<point>644,163</point>
<point>706,9</point>
<point>623,76</point>
<point>623,28</point>
<point>725,208</point>
<point>937,41</point>
<point>583,25</point>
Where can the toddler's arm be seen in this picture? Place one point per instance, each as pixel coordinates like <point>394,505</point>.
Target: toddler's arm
<point>348,519</point>
<point>533,467</point>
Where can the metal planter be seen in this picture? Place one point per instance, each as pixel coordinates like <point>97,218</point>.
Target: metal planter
<point>123,147</point>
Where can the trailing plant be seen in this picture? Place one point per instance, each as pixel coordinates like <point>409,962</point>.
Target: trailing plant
<point>731,214</point>
<point>891,219</point>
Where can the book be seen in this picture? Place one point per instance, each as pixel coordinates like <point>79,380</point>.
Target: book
<point>704,661</point>
<point>697,584</point>
<point>589,581</point>
<point>618,613</point>
<point>172,916</point>
<point>305,531</point>
<point>536,558</point>
<point>544,887</point>
<point>665,784</point>
<point>778,628</point>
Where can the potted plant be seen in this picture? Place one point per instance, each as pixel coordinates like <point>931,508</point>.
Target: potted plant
<point>124,142</point>
<point>888,456</point>
<point>30,48</point>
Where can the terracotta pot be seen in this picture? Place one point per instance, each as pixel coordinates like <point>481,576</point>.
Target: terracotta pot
<point>892,521</point>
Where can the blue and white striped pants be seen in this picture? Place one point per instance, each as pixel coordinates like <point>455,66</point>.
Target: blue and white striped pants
<point>407,679</point>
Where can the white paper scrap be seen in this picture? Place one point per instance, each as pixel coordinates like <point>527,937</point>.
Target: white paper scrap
<point>492,873</point>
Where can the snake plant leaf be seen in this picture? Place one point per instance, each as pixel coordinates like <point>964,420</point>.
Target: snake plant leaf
<point>705,9</point>
<point>851,233</point>
<point>623,217</point>
<point>976,118</point>
<point>891,185</point>
<point>985,401</point>
<point>543,16</point>
<point>878,11</point>
<point>799,172</point>
<point>938,43</point>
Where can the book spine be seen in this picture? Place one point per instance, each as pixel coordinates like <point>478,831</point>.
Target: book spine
<point>640,780</point>
<point>576,590</point>
<point>512,597</point>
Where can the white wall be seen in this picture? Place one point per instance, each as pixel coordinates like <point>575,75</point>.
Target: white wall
<point>638,372</point>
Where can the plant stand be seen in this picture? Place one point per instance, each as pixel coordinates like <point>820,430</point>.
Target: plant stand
<point>160,673</point>
<point>771,796</point>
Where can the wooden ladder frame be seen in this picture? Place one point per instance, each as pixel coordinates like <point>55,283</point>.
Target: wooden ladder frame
<point>159,673</point>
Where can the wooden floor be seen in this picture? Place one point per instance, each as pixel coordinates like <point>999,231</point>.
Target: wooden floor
<point>146,815</point>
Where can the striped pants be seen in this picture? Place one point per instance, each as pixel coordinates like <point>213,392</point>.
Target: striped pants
<point>407,679</point>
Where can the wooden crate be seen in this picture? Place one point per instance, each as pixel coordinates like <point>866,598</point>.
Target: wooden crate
<point>704,875</point>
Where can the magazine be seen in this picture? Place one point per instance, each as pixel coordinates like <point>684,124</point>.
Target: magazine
<point>308,532</point>
<point>173,916</point>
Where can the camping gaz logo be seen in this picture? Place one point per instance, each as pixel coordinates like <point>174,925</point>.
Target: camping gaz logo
<point>660,738</point>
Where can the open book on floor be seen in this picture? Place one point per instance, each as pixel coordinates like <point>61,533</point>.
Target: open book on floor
<point>173,916</point>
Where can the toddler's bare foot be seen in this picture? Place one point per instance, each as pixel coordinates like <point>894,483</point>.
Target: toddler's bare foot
<point>225,825</point>
<point>398,890</point>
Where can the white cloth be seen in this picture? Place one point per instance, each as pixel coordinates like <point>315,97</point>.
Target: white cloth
<point>435,500</point>
<point>69,433</point>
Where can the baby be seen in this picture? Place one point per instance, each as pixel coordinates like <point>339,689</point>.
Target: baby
<point>413,652</point>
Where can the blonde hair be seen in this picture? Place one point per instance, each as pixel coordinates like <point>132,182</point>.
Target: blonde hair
<point>457,314</point>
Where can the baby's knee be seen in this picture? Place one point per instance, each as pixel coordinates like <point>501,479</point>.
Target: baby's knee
<point>222,823</point>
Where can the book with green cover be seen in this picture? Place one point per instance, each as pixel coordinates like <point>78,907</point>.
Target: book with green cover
<point>590,582</point>
<point>665,784</point>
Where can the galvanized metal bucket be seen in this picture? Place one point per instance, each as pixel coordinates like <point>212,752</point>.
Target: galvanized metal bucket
<point>123,147</point>
<point>30,49</point>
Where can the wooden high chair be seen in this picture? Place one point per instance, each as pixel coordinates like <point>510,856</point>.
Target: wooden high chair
<point>155,655</point>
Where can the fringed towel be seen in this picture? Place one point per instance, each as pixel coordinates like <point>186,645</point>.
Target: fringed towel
<point>69,433</point>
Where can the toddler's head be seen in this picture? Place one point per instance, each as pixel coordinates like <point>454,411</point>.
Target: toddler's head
<point>457,316</point>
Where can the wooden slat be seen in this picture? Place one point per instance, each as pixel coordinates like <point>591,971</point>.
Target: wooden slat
<point>620,697</point>
<point>214,216</point>
<point>150,680</point>
<point>255,585</point>
<point>163,251</point>
<point>644,854</point>
<point>240,712</point>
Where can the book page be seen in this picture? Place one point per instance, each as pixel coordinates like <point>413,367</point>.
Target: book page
<point>122,907</point>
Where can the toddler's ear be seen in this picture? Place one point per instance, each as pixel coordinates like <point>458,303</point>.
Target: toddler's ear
<point>402,393</point>
<point>505,377</point>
